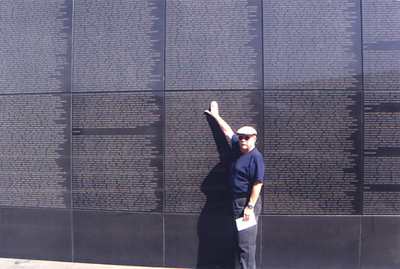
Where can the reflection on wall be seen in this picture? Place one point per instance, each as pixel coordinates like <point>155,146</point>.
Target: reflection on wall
<point>312,44</point>
<point>312,149</point>
<point>105,145</point>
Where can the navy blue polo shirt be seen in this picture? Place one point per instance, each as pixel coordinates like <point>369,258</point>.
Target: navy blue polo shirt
<point>246,169</point>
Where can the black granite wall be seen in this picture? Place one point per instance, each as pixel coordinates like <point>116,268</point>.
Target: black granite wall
<point>106,155</point>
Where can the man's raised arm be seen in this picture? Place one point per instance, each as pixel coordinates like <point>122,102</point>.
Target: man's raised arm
<point>214,112</point>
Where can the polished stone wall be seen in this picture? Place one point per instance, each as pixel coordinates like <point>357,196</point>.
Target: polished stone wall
<point>107,157</point>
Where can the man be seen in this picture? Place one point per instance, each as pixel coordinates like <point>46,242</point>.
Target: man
<point>246,176</point>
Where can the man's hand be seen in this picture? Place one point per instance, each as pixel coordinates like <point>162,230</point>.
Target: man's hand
<point>248,213</point>
<point>213,109</point>
<point>214,112</point>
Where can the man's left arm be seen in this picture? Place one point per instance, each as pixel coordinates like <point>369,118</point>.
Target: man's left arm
<point>255,193</point>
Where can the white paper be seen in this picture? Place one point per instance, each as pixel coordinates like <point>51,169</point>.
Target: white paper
<point>241,224</point>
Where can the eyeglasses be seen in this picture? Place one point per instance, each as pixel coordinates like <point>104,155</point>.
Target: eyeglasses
<point>246,137</point>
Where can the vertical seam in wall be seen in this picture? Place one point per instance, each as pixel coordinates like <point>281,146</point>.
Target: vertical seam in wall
<point>71,122</point>
<point>362,46</point>
<point>362,136</point>
<point>359,243</point>
<point>163,133</point>
<point>263,123</point>
<point>262,46</point>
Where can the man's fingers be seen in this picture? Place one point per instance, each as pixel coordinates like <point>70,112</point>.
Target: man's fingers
<point>214,107</point>
<point>246,217</point>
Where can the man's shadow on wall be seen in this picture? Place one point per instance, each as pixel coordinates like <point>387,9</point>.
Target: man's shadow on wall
<point>215,228</point>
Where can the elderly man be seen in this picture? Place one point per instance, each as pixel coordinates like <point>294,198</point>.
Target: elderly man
<point>246,176</point>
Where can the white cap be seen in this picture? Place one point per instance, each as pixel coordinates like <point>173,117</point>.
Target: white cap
<point>247,130</point>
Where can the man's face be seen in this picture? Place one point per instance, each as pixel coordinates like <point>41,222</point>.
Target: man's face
<point>247,142</point>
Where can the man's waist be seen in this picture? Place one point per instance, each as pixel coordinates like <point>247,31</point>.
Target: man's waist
<point>239,195</point>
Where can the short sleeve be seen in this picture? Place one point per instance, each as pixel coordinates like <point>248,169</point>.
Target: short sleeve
<point>258,169</point>
<point>235,145</point>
